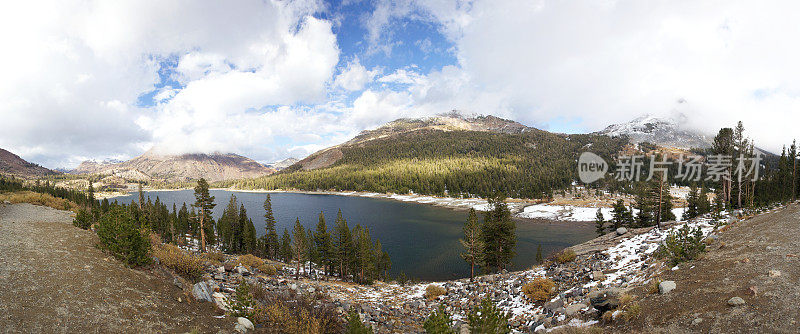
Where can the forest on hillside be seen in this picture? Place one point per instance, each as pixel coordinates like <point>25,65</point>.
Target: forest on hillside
<point>449,163</point>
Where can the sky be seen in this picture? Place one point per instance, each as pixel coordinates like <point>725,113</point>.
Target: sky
<point>275,79</point>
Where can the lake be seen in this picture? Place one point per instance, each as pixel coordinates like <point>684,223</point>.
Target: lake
<point>421,239</point>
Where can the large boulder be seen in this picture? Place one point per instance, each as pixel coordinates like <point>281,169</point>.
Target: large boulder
<point>201,291</point>
<point>605,300</point>
<point>622,230</point>
<point>243,325</point>
<point>552,306</point>
<point>574,309</point>
<point>220,300</point>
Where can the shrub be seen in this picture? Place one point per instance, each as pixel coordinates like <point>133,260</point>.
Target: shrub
<point>213,258</point>
<point>38,199</point>
<point>433,291</point>
<point>287,314</point>
<point>267,269</point>
<point>119,234</point>
<point>487,318</point>
<point>539,290</point>
<point>652,288</point>
<point>242,304</point>
<point>83,219</point>
<point>564,256</point>
<point>250,260</point>
<point>684,244</point>
<point>185,264</point>
<point>438,322</point>
<point>355,326</point>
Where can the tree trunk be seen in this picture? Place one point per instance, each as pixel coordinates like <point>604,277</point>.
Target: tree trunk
<point>202,235</point>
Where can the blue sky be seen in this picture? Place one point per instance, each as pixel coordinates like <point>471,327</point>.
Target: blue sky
<point>275,79</point>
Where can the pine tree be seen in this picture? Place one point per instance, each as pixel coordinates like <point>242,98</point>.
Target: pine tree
<point>499,236</point>
<point>249,235</point>
<point>323,242</point>
<point>600,222</point>
<point>539,257</point>
<point>270,234</point>
<point>299,246</point>
<point>286,247</point>
<point>621,215</point>
<point>692,203</point>
<point>204,202</point>
<point>472,242</point>
<point>342,242</point>
<point>438,322</point>
<point>226,224</point>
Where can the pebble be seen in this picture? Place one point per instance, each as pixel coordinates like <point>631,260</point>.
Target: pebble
<point>774,273</point>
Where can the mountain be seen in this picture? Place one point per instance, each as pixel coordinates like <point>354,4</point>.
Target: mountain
<point>664,132</point>
<point>452,121</point>
<point>152,166</point>
<point>12,164</point>
<point>445,155</point>
<point>283,163</point>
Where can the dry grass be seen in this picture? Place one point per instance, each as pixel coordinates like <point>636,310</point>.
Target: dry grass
<point>290,314</point>
<point>433,291</point>
<point>185,264</point>
<point>38,199</point>
<point>652,287</point>
<point>213,258</point>
<point>267,269</point>
<point>250,260</point>
<point>539,290</point>
<point>564,256</point>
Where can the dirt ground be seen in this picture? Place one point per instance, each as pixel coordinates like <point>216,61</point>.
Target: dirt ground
<point>738,265</point>
<point>54,280</point>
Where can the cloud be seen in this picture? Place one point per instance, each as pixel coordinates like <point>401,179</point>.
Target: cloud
<point>355,76</point>
<point>74,70</point>
<point>593,63</point>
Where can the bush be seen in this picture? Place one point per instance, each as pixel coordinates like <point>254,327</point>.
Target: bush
<point>539,290</point>
<point>355,326</point>
<point>119,234</point>
<point>295,315</point>
<point>213,258</point>
<point>438,322</point>
<point>250,260</point>
<point>83,219</point>
<point>38,199</point>
<point>267,269</point>
<point>487,318</point>
<point>684,244</point>
<point>185,264</point>
<point>242,304</point>
<point>564,256</point>
<point>433,291</point>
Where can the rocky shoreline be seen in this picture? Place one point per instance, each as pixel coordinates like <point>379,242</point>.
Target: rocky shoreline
<point>602,271</point>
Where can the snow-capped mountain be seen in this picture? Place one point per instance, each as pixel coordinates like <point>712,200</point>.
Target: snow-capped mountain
<point>665,132</point>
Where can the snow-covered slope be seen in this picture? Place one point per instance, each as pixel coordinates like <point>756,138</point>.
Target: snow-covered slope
<point>667,132</point>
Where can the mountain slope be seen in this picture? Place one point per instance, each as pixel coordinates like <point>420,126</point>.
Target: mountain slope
<point>448,155</point>
<point>659,131</point>
<point>12,164</point>
<point>179,168</point>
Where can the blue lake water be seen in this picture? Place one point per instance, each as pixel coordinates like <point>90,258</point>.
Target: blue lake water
<point>422,240</point>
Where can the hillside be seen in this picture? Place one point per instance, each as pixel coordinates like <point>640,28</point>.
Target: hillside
<point>12,164</point>
<point>152,166</point>
<point>448,155</point>
<point>663,132</point>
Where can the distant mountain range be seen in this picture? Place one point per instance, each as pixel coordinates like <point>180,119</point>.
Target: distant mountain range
<point>282,164</point>
<point>178,168</point>
<point>12,164</point>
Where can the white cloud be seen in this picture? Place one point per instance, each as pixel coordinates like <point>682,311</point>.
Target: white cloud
<point>601,62</point>
<point>355,76</point>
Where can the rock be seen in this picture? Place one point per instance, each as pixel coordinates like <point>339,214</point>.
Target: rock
<point>736,301</point>
<point>622,230</point>
<point>774,273</point>
<point>598,275</point>
<point>228,267</point>
<point>221,270</point>
<point>574,309</point>
<point>697,321</point>
<point>177,283</point>
<point>242,271</point>
<point>552,306</point>
<point>605,300</point>
<point>201,291</point>
<point>246,323</point>
<point>6,202</point>
<point>220,300</point>
<point>666,286</point>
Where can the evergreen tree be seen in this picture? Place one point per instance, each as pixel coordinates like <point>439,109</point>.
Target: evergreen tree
<point>499,236</point>
<point>692,203</point>
<point>204,202</point>
<point>249,235</point>
<point>487,318</point>
<point>539,257</point>
<point>621,215</point>
<point>322,239</point>
<point>299,246</point>
<point>438,322</point>
<point>472,242</point>
<point>285,252</point>
<point>226,224</point>
<point>342,242</point>
<point>382,262</point>
<point>600,222</point>
<point>364,253</point>
<point>270,234</point>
